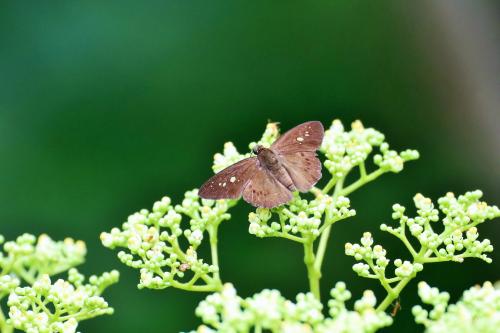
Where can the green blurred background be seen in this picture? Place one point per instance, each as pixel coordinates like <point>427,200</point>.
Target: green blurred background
<point>106,107</point>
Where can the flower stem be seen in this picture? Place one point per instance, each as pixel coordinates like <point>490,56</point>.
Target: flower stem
<point>323,242</point>
<point>329,186</point>
<point>395,294</point>
<point>291,237</point>
<point>198,288</point>
<point>4,327</point>
<point>362,181</point>
<point>362,170</point>
<point>313,261</point>
<point>212,231</point>
<point>313,274</point>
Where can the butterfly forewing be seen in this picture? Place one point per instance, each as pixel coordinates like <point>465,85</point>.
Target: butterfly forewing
<point>304,137</point>
<point>303,167</point>
<point>230,182</point>
<point>263,190</point>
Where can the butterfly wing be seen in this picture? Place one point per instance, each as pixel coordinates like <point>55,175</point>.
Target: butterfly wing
<point>303,167</point>
<point>297,152</point>
<point>304,137</point>
<point>230,182</point>
<point>263,190</point>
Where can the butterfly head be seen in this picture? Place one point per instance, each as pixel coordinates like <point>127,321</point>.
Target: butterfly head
<point>257,149</point>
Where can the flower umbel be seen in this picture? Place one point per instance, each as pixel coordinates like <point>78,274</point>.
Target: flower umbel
<point>345,150</point>
<point>478,310</point>
<point>59,306</point>
<point>39,305</point>
<point>152,243</point>
<point>300,219</point>
<point>225,311</point>
<point>28,257</point>
<point>458,239</point>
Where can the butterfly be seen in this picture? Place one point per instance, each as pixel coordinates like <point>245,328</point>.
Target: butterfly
<point>269,178</point>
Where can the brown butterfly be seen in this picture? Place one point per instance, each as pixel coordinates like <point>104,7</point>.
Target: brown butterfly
<point>269,178</point>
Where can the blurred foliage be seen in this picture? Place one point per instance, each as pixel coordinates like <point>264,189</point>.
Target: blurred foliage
<point>105,107</point>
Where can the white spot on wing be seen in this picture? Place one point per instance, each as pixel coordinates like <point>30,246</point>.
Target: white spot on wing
<point>224,184</point>
<point>233,179</point>
<point>300,139</point>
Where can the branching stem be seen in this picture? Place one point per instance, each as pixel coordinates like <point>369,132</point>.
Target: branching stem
<point>394,293</point>
<point>314,272</point>
<point>323,242</point>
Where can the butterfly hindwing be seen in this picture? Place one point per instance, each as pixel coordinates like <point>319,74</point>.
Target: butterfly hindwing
<point>304,137</point>
<point>230,182</point>
<point>263,190</point>
<point>304,168</point>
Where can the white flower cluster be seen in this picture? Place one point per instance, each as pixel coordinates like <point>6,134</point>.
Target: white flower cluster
<point>226,312</point>
<point>43,306</point>
<point>59,306</point>
<point>230,154</point>
<point>301,217</point>
<point>377,262</point>
<point>458,240</point>
<point>364,318</point>
<point>478,311</point>
<point>153,244</point>
<point>28,257</point>
<point>346,149</point>
<point>7,284</point>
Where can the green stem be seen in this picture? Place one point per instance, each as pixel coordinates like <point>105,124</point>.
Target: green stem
<point>4,327</point>
<point>329,186</point>
<point>362,170</point>
<point>429,260</point>
<point>395,294</point>
<point>362,181</point>
<point>82,315</point>
<point>200,288</point>
<point>314,262</point>
<point>339,190</point>
<point>193,280</point>
<point>313,274</point>
<point>402,236</point>
<point>291,237</point>
<point>381,277</point>
<point>212,231</point>
<point>323,242</point>
<point>328,222</point>
<point>21,272</point>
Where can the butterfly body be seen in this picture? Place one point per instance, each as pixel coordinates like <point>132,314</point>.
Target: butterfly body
<point>269,160</point>
<point>269,178</point>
